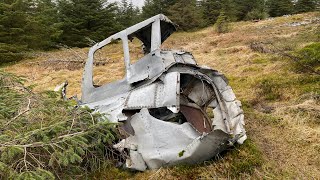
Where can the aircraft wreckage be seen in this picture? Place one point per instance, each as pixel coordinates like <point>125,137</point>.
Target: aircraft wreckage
<point>173,110</point>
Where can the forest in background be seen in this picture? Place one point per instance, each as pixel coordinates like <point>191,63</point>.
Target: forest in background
<point>273,66</point>
<point>37,25</point>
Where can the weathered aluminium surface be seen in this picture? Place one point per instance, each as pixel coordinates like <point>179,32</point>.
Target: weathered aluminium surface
<point>172,110</point>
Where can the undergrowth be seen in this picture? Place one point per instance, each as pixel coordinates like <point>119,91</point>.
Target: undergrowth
<point>43,137</point>
<point>308,57</point>
<point>279,87</point>
<point>305,61</point>
<point>239,161</point>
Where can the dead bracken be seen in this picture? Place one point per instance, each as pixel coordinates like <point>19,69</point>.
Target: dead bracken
<point>172,110</point>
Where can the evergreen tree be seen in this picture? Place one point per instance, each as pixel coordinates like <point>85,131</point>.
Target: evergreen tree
<point>280,7</point>
<point>25,25</point>
<point>151,8</point>
<point>154,7</point>
<point>213,8</point>
<point>186,14</point>
<point>229,8</point>
<point>305,6</point>
<point>13,19</point>
<point>43,30</point>
<point>82,19</point>
<point>52,138</point>
<point>222,24</point>
<point>128,14</point>
<point>250,9</point>
<point>256,14</point>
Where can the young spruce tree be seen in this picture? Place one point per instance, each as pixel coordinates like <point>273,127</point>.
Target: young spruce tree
<point>280,7</point>
<point>305,6</point>
<point>186,14</point>
<point>222,24</point>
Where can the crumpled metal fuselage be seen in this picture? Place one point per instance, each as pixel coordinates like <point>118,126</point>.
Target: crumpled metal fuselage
<point>172,110</point>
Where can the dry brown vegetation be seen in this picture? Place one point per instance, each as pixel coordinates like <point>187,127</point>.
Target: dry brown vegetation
<point>282,107</point>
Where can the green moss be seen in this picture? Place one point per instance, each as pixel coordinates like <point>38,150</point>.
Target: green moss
<point>181,153</point>
<point>246,159</point>
<point>269,89</point>
<point>269,119</point>
<point>260,61</point>
<point>308,58</point>
<point>308,84</point>
<point>274,87</point>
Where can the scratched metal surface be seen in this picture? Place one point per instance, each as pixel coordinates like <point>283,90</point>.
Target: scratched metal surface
<point>163,102</point>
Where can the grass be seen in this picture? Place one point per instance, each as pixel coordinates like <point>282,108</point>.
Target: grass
<point>246,158</point>
<point>281,104</point>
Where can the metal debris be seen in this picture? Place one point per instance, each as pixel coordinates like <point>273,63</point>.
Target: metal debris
<point>62,89</point>
<point>172,110</point>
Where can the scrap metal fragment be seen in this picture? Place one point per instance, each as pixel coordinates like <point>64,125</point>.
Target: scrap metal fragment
<point>163,100</point>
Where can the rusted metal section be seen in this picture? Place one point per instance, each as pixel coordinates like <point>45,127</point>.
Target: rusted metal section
<point>197,119</point>
<point>162,102</point>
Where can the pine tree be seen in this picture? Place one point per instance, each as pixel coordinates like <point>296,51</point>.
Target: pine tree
<point>280,7</point>
<point>51,138</point>
<point>250,9</point>
<point>229,7</point>
<point>186,14</point>
<point>305,6</point>
<point>222,24</point>
<point>154,7</point>
<point>84,19</point>
<point>43,30</point>
<point>151,8</point>
<point>13,19</point>
<point>212,9</point>
<point>26,25</point>
<point>128,14</point>
<point>256,14</point>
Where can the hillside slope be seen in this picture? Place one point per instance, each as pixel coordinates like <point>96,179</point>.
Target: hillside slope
<point>281,103</point>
